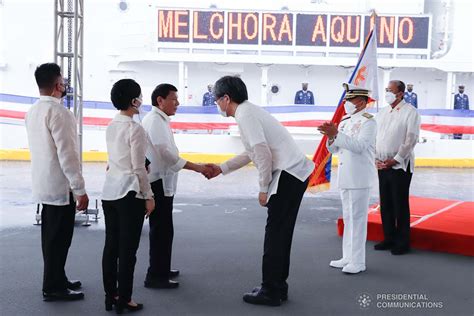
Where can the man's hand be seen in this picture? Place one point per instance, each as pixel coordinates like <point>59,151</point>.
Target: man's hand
<point>329,129</point>
<point>82,202</point>
<point>384,165</point>
<point>149,207</point>
<point>212,171</point>
<point>262,198</point>
<point>389,163</point>
<point>380,165</point>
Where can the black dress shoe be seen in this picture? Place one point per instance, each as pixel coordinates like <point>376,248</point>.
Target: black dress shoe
<point>119,308</point>
<point>174,273</point>
<point>66,295</point>
<point>384,245</point>
<point>74,284</point>
<point>283,294</point>
<point>400,250</point>
<point>110,301</point>
<point>261,298</point>
<point>161,284</point>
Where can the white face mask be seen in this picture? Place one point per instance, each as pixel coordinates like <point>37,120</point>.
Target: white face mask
<point>222,112</point>
<point>349,107</point>
<point>390,97</point>
<point>139,109</point>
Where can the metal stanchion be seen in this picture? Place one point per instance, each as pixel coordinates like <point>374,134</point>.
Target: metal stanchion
<point>38,215</point>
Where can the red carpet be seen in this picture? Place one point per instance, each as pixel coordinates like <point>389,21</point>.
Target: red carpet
<point>436,225</point>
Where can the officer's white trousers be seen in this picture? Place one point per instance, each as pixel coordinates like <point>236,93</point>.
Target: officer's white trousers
<point>355,205</point>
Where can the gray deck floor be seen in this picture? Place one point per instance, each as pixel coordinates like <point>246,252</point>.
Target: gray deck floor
<point>218,245</point>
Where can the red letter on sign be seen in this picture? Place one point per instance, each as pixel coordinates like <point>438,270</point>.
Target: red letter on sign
<point>178,24</point>
<point>269,26</point>
<point>196,27</point>
<point>285,29</point>
<point>405,37</point>
<point>237,25</point>
<point>220,29</point>
<point>386,29</point>
<point>165,24</point>
<point>253,17</point>
<point>339,37</point>
<point>354,39</point>
<point>319,30</point>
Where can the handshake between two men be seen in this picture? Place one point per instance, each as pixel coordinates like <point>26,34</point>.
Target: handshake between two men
<point>211,170</point>
<point>208,170</point>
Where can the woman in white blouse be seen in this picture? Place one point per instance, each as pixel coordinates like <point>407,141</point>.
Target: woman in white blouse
<point>126,196</point>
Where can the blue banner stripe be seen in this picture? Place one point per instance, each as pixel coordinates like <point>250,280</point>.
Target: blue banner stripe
<point>99,105</point>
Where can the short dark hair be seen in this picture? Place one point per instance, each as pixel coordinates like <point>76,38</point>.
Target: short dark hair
<point>400,85</point>
<point>233,86</point>
<point>161,90</point>
<point>47,74</point>
<point>123,92</point>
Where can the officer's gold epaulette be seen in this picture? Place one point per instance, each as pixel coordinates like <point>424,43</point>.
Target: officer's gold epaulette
<point>367,115</point>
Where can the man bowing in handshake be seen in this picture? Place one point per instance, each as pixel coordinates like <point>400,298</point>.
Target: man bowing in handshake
<point>283,177</point>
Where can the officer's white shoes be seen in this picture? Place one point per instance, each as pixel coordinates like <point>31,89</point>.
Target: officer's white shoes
<point>347,267</point>
<point>353,268</point>
<point>341,263</point>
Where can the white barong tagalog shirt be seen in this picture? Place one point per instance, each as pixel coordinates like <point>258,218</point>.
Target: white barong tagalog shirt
<point>55,163</point>
<point>162,151</point>
<point>398,130</point>
<point>270,146</point>
<point>126,147</point>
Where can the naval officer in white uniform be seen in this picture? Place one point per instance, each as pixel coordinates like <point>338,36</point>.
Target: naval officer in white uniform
<point>354,143</point>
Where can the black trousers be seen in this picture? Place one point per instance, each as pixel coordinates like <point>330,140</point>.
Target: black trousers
<point>283,209</point>
<point>57,226</point>
<point>161,234</point>
<point>394,189</point>
<point>123,226</point>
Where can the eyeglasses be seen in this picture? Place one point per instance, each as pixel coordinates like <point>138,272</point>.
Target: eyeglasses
<point>139,99</point>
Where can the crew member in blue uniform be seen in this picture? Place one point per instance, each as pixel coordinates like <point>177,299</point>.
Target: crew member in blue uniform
<point>410,96</point>
<point>304,96</point>
<point>208,99</point>
<point>461,102</point>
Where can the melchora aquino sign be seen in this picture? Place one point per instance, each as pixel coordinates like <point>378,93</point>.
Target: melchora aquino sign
<point>290,28</point>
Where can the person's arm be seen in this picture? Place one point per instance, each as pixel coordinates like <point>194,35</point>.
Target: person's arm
<point>332,148</point>
<point>311,100</point>
<point>263,162</point>
<point>455,102</point>
<point>64,134</point>
<point>359,144</point>
<point>411,138</point>
<point>416,101</point>
<point>138,146</point>
<point>204,100</point>
<point>235,163</point>
<point>163,147</point>
<point>171,158</point>
<point>467,102</point>
<point>296,98</point>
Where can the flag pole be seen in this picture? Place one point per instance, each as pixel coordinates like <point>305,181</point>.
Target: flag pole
<point>374,17</point>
